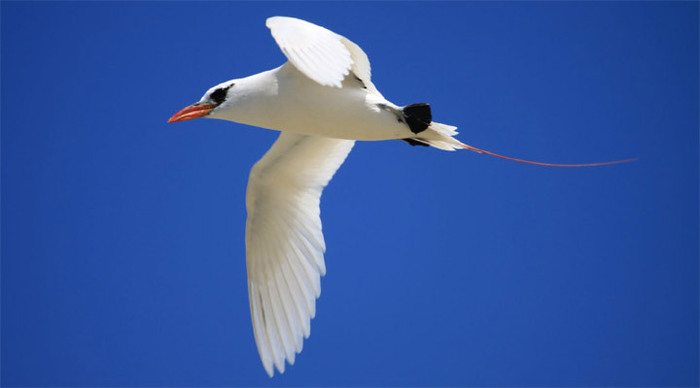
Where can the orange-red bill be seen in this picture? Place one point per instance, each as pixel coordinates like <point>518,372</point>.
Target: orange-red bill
<point>536,163</point>
<point>191,112</point>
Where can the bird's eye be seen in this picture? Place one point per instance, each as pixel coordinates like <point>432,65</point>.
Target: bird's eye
<point>219,95</point>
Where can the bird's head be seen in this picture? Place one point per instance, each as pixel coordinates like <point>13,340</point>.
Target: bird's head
<point>216,98</point>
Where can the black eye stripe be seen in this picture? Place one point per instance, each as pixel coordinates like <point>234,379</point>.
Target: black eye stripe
<point>219,95</point>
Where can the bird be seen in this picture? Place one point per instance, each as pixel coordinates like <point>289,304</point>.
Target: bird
<point>321,100</point>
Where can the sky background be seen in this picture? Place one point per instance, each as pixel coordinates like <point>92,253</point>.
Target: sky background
<point>123,236</point>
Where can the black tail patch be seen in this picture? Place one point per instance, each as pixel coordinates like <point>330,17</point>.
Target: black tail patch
<point>418,116</point>
<point>415,142</point>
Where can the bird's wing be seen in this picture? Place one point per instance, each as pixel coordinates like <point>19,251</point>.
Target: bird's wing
<point>319,53</point>
<point>284,241</point>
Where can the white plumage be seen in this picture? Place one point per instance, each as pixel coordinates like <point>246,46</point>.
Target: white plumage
<point>322,100</point>
<point>315,51</point>
<point>284,241</point>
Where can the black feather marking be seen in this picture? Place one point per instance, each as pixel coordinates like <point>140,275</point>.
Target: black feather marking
<point>418,117</point>
<point>360,81</point>
<point>219,95</point>
<point>414,142</point>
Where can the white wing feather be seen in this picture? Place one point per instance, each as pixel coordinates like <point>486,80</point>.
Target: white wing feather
<point>319,53</point>
<point>284,241</point>
<point>360,67</point>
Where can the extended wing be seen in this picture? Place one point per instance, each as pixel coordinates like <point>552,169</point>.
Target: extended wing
<point>319,53</point>
<point>284,241</point>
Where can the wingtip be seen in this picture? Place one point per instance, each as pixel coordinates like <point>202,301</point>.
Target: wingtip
<point>270,20</point>
<point>269,368</point>
<point>281,368</point>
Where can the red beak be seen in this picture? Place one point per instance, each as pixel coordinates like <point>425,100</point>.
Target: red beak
<point>191,112</point>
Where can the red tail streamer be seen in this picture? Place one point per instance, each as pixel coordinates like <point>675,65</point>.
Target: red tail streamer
<point>596,164</point>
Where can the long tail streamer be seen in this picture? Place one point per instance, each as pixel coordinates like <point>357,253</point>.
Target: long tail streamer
<point>596,164</point>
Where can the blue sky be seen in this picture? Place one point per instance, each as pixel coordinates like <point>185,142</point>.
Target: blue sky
<point>123,237</point>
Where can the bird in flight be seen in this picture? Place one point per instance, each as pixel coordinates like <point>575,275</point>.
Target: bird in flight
<point>321,100</point>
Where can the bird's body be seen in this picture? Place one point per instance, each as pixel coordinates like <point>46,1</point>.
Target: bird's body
<point>284,99</point>
<point>321,100</point>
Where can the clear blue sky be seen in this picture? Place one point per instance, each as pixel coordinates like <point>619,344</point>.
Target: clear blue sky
<point>123,236</point>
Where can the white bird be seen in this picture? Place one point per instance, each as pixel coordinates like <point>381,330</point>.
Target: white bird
<point>321,101</point>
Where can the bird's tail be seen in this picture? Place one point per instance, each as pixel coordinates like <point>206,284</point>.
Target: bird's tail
<point>419,119</point>
<point>441,136</point>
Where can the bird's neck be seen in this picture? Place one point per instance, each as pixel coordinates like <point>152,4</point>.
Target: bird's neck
<point>254,100</point>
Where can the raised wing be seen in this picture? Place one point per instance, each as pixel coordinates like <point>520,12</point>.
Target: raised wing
<point>284,241</point>
<point>319,53</point>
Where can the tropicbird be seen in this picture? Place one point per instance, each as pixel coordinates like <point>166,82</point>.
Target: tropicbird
<point>321,100</point>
